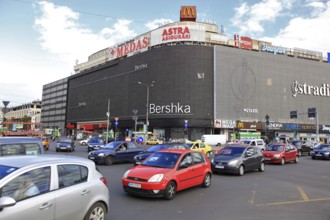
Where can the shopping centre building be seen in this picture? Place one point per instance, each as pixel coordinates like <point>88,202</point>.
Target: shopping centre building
<point>187,79</point>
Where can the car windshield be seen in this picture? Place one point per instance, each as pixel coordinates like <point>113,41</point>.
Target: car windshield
<point>112,145</point>
<point>157,148</point>
<point>296,143</point>
<point>65,140</point>
<point>232,151</point>
<point>246,142</point>
<point>323,147</point>
<point>275,148</point>
<point>5,170</point>
<point>162,160</point>
<point>95,141</point>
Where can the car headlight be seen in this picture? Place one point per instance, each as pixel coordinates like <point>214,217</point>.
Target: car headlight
<point>277,156</point>
<point>326,153</point>
<point>212,161</point>
<point>126,174</point>
<point>58,145</point>
<point>101,155</point>
<point>156,178</point>
<point>233,162</point>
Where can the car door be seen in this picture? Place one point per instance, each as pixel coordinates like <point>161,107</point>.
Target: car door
<point>249,158</point>
<point>198,167</point>
<point>132,150</point>
<point>185,172</point>
<point>122,153</point>
<point>74,192</point>
<point>32,202</point>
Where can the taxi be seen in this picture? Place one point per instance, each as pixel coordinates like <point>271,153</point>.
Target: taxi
<point>201,146</point>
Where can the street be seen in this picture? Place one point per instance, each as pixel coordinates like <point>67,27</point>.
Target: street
<point>292,191</point>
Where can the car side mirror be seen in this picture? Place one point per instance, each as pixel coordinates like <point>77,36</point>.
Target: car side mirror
<point>248,154</point>
<point>6,201</point>
<point>184,165</point>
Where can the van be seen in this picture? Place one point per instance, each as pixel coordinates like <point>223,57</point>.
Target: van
<point>214,139</point>
<point>10,146</point>
<point>255,142</point>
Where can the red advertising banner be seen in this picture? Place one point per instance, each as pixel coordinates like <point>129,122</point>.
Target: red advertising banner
<point>246,43</point>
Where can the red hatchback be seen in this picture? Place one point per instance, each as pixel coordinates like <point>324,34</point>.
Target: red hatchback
<point>280,153</point>
<point>167,171</point>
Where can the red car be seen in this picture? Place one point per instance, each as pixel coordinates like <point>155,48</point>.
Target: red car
<point>280,153</point>
<point>165,172</point>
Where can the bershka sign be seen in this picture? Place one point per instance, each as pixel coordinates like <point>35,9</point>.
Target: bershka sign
<point>274,50</point>
<point>246,43</point>
<point>305,89</point>
<point>129,48</point>
<point>177,33</point>
<point>172,108</point>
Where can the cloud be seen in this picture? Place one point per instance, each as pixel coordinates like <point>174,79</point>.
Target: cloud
<point>63,35</point>
<point>250,19</point>
<point>157,22</point>
<point>309,32</point>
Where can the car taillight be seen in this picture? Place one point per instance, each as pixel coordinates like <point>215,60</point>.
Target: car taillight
<point>104,180</point>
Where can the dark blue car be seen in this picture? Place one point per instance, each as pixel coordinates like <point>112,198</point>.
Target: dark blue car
<point>138,159</point>
<point>321,152</point>
<point>65,144</point>
<point>95,144</point>
<point>118,151</point>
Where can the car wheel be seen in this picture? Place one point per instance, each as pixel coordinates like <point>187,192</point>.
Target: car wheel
<point>299,153</point>
<point>108,160</point>
<point>282,161</point>
<point>313,158</point>
<point>241,170</point>
<point>170,191</point>
<point>56,150</point>
<point>83,143</point>
<point>296,160</point>
<point>97,211</point>
<point>207,180</point>
<point>262,167</point>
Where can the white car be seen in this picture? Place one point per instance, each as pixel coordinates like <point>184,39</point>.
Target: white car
<point>51,187</point>
<point>255,142</point>
<point>84,142</point>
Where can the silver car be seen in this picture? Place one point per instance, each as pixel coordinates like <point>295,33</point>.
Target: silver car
<point>52,187</point>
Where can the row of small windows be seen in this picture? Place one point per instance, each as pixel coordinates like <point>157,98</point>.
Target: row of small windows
<point>53,94</point>
<point>53,112</point>
<point>56,83</point>
<point>53,119</point>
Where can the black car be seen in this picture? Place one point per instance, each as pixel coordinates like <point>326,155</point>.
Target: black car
<point>238,159</point>
<point>138,159</point>
<point>65,144</point>
<point>321,152</point>
<point>302,147</point>
<point>95,144</point>
<point>117,151</point>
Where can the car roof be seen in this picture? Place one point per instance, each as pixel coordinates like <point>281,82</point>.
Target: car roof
<point>35,160</point>
<point>179,151</point>
<point>239,145</point>
<point>5,140</point>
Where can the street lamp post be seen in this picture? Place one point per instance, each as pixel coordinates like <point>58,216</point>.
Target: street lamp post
<point>108,117</point>
<point>147,105</point>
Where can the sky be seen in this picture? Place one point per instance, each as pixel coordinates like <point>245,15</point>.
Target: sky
<point>41,41</point>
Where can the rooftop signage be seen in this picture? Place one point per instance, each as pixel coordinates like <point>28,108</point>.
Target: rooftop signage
<point>273,49</point>
<point>129,48</point>
<point>188,13</point>
<point>246,43</point>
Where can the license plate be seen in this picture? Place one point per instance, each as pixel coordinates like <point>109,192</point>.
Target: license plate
<point>92,158</point>
<point>63,148</point>
<point>134,185</point>
<point>319,155</point>
<point>266,158</point>
<point>219,166</point>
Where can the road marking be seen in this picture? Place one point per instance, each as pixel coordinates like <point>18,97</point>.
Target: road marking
<point>251,200</point>
<point>303,194</point>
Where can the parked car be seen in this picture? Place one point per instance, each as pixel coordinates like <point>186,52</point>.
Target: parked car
<point>10,146</point>
<point>255,142</point>
<point>281,153</point>
<point>84,142</point>
<point>302,147</point>
<point>322,151</point>
<point>166,172</point>
<point>201,146</point>
<point>139,158</point>
<point>65,144</point>
<point>95,144</point>
<point>45,142</point>
<point>117,151</point>
<point>238,159</point>
<point>48,187</point>
<point>153,140</point>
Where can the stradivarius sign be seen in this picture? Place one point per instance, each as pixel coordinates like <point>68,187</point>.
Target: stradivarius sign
<point>305,89</point>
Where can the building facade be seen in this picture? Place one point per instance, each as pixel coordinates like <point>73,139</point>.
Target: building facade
<point>186,79</point>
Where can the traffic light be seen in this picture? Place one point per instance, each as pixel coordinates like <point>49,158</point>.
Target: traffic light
<point>293,114</point>
<point>311,112</point>
<point>267,119</point>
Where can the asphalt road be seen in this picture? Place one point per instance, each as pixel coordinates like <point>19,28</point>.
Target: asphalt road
<point>292,191</point>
